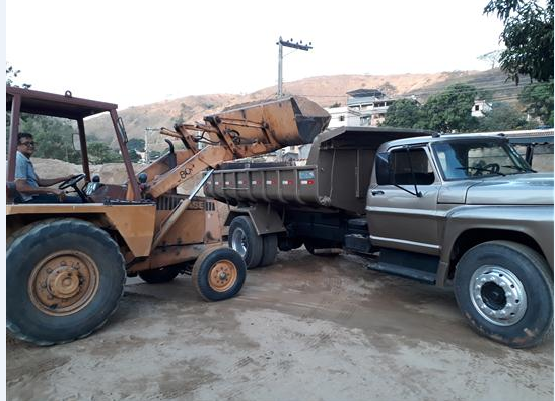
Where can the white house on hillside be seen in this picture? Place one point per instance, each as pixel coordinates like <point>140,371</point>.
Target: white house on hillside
<point>480,107</point>
<point>339,116</point>
<point>365,108</point>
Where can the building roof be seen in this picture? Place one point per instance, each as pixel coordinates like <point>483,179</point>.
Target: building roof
<point>366,93</point>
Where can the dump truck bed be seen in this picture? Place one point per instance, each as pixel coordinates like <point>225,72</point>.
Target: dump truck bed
<point>287,185</point>
<point>336,174</point>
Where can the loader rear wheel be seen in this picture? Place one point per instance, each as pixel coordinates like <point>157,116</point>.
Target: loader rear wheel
<point>270,250</point>
<point>157,276</point>
<point>244,239</point>
<point>219,273</point>
<point>64,280</point>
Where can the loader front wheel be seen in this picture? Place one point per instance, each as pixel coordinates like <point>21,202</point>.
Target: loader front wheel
<point>64,280</point>
<point>219,273</point>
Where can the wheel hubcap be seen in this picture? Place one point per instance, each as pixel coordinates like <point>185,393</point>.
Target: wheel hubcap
<point>63,283</point>
<point>222,276</point>
<point>239,242</point>
<point>498,295</point>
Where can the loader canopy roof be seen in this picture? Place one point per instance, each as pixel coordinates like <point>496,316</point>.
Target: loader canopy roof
<point>49,104</point>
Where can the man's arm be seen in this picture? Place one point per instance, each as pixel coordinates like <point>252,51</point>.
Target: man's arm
<point>46,182</point>
<point>23,187</point>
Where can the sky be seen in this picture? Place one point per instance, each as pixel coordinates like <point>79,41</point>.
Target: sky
<point>139,52</point>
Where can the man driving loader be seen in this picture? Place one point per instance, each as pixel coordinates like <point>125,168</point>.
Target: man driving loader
<point>30,187</point>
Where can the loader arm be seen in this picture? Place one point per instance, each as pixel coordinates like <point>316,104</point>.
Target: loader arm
<point>249,130</point>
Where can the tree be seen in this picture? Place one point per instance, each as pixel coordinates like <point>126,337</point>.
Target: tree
<point>528,37</point>
<point>133,156</point>
<point>538,99</point>
<point>404,113</point>
<point>450,110</point>
<point>100,153</point>
<point>154,154</point>
<point>11,74</point>
<point>135,144</point>
<point>502,117</point>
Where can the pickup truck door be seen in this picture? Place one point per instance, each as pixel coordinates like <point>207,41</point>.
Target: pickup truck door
<point>401,220</point>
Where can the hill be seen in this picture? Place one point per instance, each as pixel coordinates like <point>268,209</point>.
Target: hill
<point>325,90</point>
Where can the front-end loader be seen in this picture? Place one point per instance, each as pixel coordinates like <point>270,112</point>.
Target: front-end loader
<point>66,264</point>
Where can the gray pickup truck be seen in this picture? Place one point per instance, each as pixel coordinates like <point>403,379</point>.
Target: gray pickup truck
<point>450,210</point>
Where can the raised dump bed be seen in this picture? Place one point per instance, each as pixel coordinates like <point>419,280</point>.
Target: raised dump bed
<point>336,174</point>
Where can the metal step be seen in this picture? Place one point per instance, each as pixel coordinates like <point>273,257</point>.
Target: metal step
<point>412,265</point>
<point>418,275</point>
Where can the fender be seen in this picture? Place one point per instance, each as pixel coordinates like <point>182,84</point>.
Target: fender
<point>534,221</point>
<point>265,218</point>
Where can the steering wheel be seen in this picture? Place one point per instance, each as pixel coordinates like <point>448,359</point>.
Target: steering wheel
<point>493,167</point>
<point>71,182</point>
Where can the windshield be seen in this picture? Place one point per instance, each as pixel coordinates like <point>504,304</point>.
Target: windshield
<point>464,159</point>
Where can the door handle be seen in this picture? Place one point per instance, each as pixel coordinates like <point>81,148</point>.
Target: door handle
<point>377,192</point>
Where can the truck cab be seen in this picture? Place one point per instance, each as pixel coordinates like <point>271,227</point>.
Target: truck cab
<point>468,211</point>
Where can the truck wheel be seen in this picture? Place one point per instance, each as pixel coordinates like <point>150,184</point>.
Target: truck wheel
<point>243,239</point>
<point>65,278</point>
<point>505,290</point>
<point>219,273</point>
<point>157,276</point>
<point>320,248</point>
<point>270,249</point>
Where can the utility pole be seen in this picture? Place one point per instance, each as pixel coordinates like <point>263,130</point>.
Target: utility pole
<point>297,45</point>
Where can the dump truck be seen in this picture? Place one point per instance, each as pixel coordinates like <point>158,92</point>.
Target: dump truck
<point>457,210</point>
<point>66,264</point>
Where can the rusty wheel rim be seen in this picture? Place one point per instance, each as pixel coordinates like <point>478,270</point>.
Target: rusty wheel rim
<point>63,283</point>
<point>222,275</point>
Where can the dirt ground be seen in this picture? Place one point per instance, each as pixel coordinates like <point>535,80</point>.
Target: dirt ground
<point>306,328</point>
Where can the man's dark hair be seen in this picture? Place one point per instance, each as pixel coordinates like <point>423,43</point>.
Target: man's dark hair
<point>22,135</point>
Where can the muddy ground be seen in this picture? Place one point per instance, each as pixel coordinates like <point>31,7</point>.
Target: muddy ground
<point>306,328</point>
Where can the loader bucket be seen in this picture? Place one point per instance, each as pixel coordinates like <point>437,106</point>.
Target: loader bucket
<point>287,121</point>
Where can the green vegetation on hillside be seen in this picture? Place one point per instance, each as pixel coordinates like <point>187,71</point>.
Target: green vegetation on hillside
<point>450,111</point>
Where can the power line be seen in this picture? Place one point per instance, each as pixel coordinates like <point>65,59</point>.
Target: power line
<point>296,45</point>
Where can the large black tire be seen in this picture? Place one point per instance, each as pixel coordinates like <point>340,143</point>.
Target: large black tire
<point>243,239</point>
<point>158,276</point>
<point>321,247</point>
<point>505,290</point>
<point>270,249</point>
<point>65,278</point>
<point>219,273</point>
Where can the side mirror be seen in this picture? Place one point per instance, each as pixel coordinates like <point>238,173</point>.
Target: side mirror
<point>383,171</point>
<point>76,142</point>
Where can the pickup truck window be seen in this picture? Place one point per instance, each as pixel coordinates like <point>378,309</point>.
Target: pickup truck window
<point>464,159</point>
<point>410,165</point>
